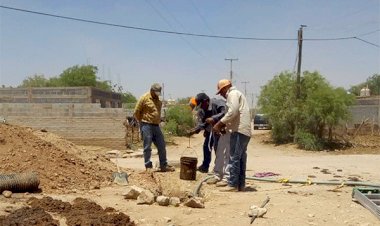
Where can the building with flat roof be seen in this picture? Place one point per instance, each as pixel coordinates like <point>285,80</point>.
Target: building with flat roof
<point>106,99</point>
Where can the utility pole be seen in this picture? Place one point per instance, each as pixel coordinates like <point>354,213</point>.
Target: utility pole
<point>163,92</point>
<point>252,107</point>
<point>245,88</point>
<point>300,39</point>
<point>230,59</point>
<point>298,85</point>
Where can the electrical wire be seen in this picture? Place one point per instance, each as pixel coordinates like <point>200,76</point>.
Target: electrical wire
<point>203,19</point>
<point>185,33</point>
<point>378,46</point>
<point>173,28</point>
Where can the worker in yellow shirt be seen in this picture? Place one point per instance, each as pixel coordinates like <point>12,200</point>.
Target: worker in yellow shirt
<point>148,113</point>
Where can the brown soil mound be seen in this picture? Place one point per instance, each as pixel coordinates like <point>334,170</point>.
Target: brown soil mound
<point>81,212</point>
<point>58,167</point>
<point>29,216</point>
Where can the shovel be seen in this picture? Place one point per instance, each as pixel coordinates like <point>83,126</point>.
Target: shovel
<point>119,177</point>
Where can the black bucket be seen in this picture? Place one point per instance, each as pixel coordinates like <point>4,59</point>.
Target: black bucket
<point>188,168</point>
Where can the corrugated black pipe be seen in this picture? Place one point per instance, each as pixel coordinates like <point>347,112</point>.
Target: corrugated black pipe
<point>19,182</point>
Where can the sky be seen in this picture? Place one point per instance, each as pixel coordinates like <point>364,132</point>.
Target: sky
<point>33,44</point>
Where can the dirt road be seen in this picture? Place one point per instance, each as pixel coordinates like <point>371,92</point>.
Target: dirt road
<point>293,204</point>
<point>296,204</point>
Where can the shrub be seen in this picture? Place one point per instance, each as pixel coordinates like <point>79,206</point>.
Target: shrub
<point>308,141</point>
<point>179,120</point>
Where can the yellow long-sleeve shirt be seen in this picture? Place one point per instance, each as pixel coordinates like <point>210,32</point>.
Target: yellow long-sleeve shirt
<point>148,109</point>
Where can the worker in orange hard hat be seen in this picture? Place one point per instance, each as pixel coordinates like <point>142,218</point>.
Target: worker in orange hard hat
<point>193,103</point>
<point>237,120</point>
<point>209,112</point>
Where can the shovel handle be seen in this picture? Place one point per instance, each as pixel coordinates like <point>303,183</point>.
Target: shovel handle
<point>117,165</point>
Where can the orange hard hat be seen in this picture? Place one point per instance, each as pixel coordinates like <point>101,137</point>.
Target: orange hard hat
<point>222,83</point>
<point>193,102</point>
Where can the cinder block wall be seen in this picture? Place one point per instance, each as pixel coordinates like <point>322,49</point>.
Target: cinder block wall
<point>82,123</point>
<point>363,112</point>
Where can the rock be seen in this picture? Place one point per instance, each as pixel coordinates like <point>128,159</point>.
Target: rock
<point>113,153</point>
<point>132,192</point>
<point>145,197</point>
<point>162,200</point>
<point>253,207</point>
<point>195,202</point>
<point>7,194</point>
<point>9,209</point>
<point>258,212</point>
<point>167,219</point>
<point>174,201</point>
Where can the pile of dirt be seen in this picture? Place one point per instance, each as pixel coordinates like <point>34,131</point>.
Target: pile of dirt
<point>58,166</point>
<point>81,212</point>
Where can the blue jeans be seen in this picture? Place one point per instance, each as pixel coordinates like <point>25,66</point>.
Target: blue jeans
<point>209,142</point>
<point>238,159</point>
<point>152,133</point>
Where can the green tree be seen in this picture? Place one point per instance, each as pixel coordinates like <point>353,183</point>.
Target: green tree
<point>79,76</point>
<point>319,108</point>
<point>35,81</point>
<point>373,83</point>
<point>104,85</point>
<point>323,105</point>
<point>127,97</point>
<point>277,100</point>
<point>74,76</point>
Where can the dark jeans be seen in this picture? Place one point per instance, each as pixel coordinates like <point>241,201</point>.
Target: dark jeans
<point>152,134</point>
<point>238,159</point>
<point>209,142</point>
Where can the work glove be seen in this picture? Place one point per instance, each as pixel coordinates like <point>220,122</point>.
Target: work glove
<point>218,127</point>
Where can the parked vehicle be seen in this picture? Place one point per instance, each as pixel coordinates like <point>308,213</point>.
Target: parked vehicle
<point>260,121</point>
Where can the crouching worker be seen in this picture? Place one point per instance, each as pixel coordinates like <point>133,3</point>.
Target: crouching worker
<point>209,112</point>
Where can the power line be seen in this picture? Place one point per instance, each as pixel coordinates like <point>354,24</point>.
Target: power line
<point>185,33</point>
<point>172,27</point>
<point>378,46</point>
<point>207,26</point>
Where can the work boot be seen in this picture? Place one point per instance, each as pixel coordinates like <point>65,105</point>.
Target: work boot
<point>213,180</point>
<point>222,183</point>
<point>167,168</point>
<point>202,170</point>
<point>148,169</point>
<point>229,189</point>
